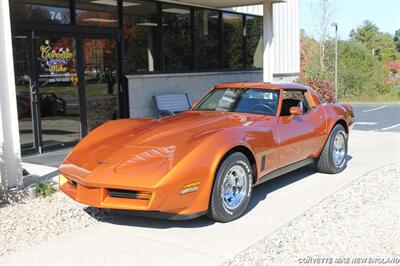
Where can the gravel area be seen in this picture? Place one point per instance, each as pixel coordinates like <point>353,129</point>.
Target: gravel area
<point>360,221</point>
<point>30,222</point>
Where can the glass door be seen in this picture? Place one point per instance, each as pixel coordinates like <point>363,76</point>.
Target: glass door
<point>101,80</point>
<point>66,86</point>
<point>58,90</point>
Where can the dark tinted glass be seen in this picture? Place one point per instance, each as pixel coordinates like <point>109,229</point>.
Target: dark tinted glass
<point>46,11</point>
<point>177,46</point>
<point>207,39</point>
<point>23,89</point>
<point>233,40</point>
<point>254,38</point>
<point>140,27</point>
<point>100,13</point>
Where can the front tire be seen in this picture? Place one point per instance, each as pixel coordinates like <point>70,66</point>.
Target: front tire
<point>232,188</point>
<point>334,155</point>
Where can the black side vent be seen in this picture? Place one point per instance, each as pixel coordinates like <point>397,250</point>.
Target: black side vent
<point>263,163</point>
<point>121,193</point>
<point>74,184</point>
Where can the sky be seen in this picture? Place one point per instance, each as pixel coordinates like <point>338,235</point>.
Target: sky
<point>351,13</point>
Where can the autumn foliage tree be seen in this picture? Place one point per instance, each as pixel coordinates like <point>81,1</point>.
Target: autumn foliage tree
<point>369,65</point>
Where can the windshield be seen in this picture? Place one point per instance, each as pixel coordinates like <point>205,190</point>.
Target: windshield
<point>254,101</point>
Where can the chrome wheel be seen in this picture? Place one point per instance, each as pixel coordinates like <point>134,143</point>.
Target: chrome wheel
<point>234,187</point>
<point>339,149</point>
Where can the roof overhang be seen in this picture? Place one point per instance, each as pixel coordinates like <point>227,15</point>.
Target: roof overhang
<point>222,3</point>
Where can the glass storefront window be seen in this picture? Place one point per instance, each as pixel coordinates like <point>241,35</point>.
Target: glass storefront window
<point>101,81</point>
<point>233,40</point>
<point>140,31</point>
<point>46,11</point>
<point>254,39</point>
<point>99,13</point>
<point>207,38</point>
<point>177,41</point>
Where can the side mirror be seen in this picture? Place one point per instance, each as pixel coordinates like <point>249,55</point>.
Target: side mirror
<point>295,110</point>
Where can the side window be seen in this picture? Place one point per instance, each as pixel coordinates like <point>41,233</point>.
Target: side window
<point>293,98</point>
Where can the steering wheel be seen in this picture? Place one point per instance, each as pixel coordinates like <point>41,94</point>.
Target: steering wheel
<point>269,108</point>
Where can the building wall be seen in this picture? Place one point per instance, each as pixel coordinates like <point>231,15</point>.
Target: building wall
<point>143,87</point>
<point>286,38</point>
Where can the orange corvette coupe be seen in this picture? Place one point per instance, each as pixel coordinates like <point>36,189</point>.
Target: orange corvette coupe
<point>207,160</point>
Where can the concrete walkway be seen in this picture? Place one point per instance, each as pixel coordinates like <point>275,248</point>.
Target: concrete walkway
<point>137,240</point>
<point>43,166</point>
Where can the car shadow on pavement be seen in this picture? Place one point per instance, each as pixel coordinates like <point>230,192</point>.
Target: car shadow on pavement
<point>260,193</point>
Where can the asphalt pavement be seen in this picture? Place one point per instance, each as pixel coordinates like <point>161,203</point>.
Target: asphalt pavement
<point>377,117</point>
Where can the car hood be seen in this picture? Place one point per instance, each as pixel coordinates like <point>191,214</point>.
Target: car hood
<point>156,144</point>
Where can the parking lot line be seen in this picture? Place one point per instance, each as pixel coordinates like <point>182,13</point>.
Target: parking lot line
<point>374,109</point>
<point>391,127</point>
<point>366,123</point>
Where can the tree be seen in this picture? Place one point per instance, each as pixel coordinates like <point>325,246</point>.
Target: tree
<point>396,39</point>
<point>366,34</point>
<point>386,48</point>
<point>309,56</point>
<point>361,72</point>
<point>380,44</point>
<point>324,11</point>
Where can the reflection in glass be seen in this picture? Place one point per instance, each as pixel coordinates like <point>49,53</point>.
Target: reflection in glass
<point>49,11</point>
<point>254,38</point>
<point>22,84</point>
<point>233,40</point>
<point>140,29</point>
<point>100,13</point>
<point>207,38</point>
<point>252,101</point>
<point>101,81</point>
<point>177,44</point>
<point>58,89</point>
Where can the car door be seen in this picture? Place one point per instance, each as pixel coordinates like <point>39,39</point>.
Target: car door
<point>299,135</point>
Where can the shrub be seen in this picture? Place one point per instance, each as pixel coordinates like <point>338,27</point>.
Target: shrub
<point>44,189</point>
<point>324,88</point>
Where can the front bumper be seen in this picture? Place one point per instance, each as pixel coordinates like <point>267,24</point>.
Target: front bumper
<point>164,201</point>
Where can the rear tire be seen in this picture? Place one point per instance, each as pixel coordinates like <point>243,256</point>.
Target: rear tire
<point>232,188</point>
<point>334,155</point>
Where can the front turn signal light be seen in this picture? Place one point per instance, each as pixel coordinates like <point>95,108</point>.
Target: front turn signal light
<point>192,187</point>
<point>62,180</point>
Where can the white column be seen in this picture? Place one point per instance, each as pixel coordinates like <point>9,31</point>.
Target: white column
<point>8,105</point>
<point>268,31</point>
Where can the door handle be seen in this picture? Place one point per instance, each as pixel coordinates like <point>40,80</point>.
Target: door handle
<point>34,92</point>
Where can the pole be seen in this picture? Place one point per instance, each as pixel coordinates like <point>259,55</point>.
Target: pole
<point>10,169</point>
<point>336,60</point>
<point>268,28</point>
